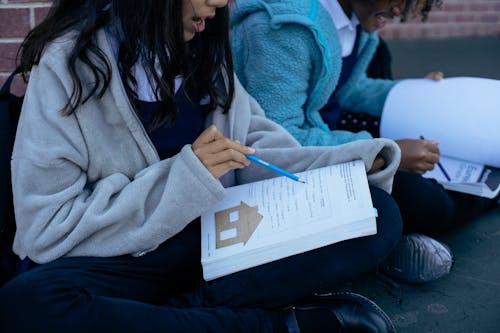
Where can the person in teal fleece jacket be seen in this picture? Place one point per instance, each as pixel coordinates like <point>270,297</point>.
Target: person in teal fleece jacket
<point>296,58</point>
<point>285,59</point>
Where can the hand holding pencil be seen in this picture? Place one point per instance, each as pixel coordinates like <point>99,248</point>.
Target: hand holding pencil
<point>220,154</point>
<point>418,155</point>
<point>440,166</point>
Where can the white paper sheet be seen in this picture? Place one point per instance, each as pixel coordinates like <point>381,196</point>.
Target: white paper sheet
<point>463,113</point>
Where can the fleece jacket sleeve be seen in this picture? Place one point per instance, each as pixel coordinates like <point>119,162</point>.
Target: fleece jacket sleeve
<point>61,212</point>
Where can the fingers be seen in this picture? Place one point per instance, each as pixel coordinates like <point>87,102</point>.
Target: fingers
<point>431,147</point>
<point>220,154</point>
<point>436,76</point>
<point>423,168</point>
<point>212,141</point>
<point>378,164</point>
<point>223,151</point>
<point>426,165</point>
<point>430,155</point>
<point>418,155</point>
<point>208,135</point>
<point>425,161</point>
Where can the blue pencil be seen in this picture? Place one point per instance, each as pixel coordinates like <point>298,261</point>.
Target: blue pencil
<point>444,171</point>
<point>270,166</point>
<point>440,166</point>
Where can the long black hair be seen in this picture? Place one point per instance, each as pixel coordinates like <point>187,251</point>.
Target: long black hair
<point>151,31</point>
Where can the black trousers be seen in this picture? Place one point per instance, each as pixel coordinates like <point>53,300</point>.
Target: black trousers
<point>429,209</point>
<point>163,291</point>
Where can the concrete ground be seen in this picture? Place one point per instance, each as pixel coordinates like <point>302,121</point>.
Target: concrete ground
<point>468,299</point>
<point>465,301</point>
<point>473,56</point>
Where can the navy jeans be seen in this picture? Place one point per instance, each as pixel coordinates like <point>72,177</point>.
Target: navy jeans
<point>163,291</point>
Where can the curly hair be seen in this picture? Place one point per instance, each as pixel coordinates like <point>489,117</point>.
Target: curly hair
<point>414,8</point>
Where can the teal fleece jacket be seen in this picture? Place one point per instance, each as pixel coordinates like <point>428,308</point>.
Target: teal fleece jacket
<point>288,57</point>
<point>92,183</point>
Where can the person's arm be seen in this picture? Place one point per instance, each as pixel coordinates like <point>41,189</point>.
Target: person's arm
<point>363,94</point>
<point>275,66</point>
<point>275,145</point>
<point>62,209</point>
<point>418,155</point>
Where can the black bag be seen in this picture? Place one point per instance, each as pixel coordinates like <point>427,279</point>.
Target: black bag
<point>10,109</point>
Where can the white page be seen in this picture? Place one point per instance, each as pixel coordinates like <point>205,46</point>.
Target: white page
<point>296,206</point>
<point>459,171</point>
<point>463,113</point>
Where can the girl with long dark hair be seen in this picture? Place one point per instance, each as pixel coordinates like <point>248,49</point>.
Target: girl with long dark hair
<point>132,125</point>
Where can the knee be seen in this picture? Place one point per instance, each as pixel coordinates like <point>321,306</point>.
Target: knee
<point>18,303</point>
<point>29,302</point>
<point>425,205</point>
<point>389,220</point>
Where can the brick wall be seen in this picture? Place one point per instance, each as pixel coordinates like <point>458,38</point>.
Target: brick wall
<point>456,18</point>
<point>17,17</point>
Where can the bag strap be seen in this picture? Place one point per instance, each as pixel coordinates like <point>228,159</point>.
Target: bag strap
<point>6,86</point>
<point>10,109</point>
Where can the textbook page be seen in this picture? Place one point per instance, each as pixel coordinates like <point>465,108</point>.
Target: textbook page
<point>462,113</point>
<point>267,220</point>
<point>467,177</point>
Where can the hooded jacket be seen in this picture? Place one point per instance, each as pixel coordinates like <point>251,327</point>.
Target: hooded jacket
<point>288,56</point>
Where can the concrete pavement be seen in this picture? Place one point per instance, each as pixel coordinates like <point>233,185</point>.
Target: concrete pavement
<point>472,56</point>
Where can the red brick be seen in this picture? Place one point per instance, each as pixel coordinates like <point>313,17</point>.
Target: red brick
<point>8,52</point>
<point>14,22</point>
<point>479,6</point>
<point>454,18</point>
<point>439,18</point>
<point>489,18</point>
<point>464,18</point>
<point>451,6</point>
<point>40,14</point>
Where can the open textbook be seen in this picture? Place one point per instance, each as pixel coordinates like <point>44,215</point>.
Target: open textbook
<point>468,177</point>
<point>260,222</point>
<point>462,113</point>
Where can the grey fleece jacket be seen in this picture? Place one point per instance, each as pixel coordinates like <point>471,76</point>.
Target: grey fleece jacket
<point>92,184</point>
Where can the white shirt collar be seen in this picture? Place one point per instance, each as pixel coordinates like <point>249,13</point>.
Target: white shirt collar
<point>346,27</point>
<point>339,18</point>
<point>144,90</point>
